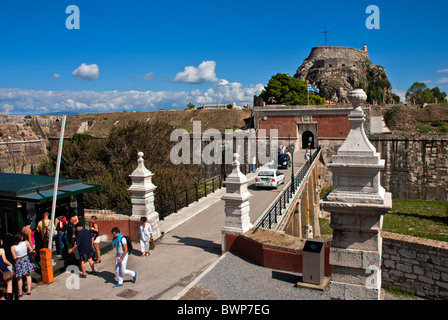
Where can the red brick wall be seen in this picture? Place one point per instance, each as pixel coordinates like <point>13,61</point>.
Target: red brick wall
<point>284,124</point>
<point>127,228</point>
<point>329,126</point>
<point>334,126</point>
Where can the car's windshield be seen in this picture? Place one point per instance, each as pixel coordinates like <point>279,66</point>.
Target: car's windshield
<point>266,173</point>
<point>283,156</point>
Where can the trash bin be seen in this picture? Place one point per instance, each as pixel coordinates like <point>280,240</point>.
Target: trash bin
<point>313,261</point>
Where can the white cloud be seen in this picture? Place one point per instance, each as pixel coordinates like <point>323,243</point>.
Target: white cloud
<point>205,72</point>
<point>442,80</point>
<point>87,72</point>
<point>38,102</point>
<point>442,71</point>
<point>56,76</point>
<point>149,76</point>
<point>7,108</point>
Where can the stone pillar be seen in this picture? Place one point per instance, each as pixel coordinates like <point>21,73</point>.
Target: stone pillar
<point>356,204</point>
<point>237,206</point>
<point>142,199</point>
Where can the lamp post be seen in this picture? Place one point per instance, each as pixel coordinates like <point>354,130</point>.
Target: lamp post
<point>291,149</point>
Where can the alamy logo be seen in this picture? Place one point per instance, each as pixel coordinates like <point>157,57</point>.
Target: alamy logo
<point>72,281</point>
<point>217,150</point>
<point>373,21</point>
<point>372,280</point>
<point>72,21</point>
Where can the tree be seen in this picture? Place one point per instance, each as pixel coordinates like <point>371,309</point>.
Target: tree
<point>439,95</point>
<point>396,98</point>
<point>377,86</point>
<point>287,90</point>
<point>110,161</point>
<point>419,93</point>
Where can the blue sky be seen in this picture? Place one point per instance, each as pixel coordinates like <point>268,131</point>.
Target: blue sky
<point>152,54</point>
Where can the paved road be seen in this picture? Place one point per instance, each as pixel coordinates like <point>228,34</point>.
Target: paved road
<point>181,255</point>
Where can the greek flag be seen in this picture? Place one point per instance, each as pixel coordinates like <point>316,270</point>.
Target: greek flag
<point>312,88</point>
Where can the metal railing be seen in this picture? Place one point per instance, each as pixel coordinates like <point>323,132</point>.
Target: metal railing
<point>184,198</point>
<point>271,216</point>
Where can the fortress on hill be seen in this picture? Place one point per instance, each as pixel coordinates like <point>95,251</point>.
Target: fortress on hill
<point>337,70</point>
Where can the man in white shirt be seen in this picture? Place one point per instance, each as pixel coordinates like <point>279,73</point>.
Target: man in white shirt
<point>121,259</point>
<point>253,162</point>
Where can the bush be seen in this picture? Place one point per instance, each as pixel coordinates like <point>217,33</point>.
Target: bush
<point>423,129</point>
<point>437,123</point>
<point>109,162</point>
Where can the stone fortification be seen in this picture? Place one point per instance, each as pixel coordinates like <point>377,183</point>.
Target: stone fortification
<point>337,70</point>
<point>416,165</point>
<point>22,143</point>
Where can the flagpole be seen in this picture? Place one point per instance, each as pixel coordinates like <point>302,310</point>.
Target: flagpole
<point>308,92</point>
<point>56,182</point>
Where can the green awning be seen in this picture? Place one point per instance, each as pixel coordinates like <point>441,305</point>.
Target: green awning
<point>39,189</point>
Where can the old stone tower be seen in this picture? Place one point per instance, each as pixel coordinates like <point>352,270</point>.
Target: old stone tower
<point>338,70</point>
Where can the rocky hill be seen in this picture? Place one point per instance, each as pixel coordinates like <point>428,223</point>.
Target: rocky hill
<point>337,70</point>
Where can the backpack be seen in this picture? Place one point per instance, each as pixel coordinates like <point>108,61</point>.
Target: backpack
<point>129,243</point>
<point>47,232</point>
<point>62,225</point>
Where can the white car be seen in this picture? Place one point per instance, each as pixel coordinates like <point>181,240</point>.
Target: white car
<point>269,178</point>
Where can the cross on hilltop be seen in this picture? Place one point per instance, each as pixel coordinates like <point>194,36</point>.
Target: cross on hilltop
<point>325,35</point>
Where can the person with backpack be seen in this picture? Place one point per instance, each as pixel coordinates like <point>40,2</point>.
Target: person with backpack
<point>43,227</point>
<point>121,259</point>
<point>61,228</point>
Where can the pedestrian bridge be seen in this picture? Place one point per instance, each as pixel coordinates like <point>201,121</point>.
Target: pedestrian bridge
<point>295,210</point>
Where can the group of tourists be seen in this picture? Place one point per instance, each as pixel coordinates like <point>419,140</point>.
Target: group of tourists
<point>73,241</point>
<point>281,149</point>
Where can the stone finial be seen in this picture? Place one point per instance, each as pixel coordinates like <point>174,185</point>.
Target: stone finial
<point>140,156</point>
<point>142,195</point>
<point>356,166</point>
<point>236,176</point>
<point>357,147</point>
<point>236,162</point>
<point>357,97</point>
<point>236,202</point>
<point>141,169</point>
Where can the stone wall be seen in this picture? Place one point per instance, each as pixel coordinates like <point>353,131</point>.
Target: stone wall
<point>416,166</point>
<point>18,156</point>
<point>415,265</point>
<point>22,143</point>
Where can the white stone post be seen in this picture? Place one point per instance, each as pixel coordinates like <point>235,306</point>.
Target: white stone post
<point>237,206</point>
<point>357,204</point>
<point>142,196</point>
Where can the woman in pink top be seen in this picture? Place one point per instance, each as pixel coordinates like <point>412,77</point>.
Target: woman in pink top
<point>28,233</point>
